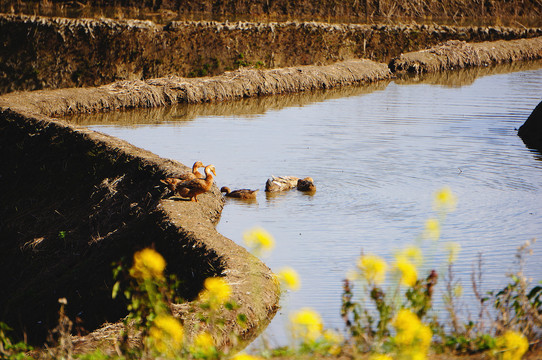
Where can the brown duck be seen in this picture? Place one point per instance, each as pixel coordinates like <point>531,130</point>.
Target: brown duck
<point>239,194</point>
<point>306,184</point>
<point>192,188</point>
<point>280,183</point>
<point>172,182</point>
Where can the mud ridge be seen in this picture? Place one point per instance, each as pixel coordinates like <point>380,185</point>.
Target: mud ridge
<point>50,53</point>
<point>460,54</point>
<point>237,84</point>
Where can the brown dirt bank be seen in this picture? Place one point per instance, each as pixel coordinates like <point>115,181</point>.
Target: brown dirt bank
<point>237,84</point>
<point>328,10</point>
<point>41,52</point>
<point>459,54</point>
<point>74,201</point>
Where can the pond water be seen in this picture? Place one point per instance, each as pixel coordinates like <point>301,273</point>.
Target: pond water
<point>377,155</point>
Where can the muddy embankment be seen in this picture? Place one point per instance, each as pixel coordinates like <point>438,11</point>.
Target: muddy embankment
<point>41,52</point>
<point>270,10</point>
<point>75,201</point>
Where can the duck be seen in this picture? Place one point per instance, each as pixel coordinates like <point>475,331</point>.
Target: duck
<point>195,174</point>
<point>280,183</point>
<point>172,182</point>
<point>192,188</point>
<point>306,184</point>
<point>239,194</point>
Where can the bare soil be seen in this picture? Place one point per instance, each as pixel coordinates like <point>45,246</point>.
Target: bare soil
<point>455,54</point>
<point>66,53</point>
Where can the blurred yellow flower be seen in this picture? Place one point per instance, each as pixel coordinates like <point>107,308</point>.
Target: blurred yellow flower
<point>458,291</point>
<point>258,240</point>
<point>333,340</point>
<point>203,345</point>
<point>445,200</point>
<point>412,254</point>
<point>412,336</point>
<point>306,324</point>
<point>406,324</point>
<point>217,291</point>
<point>513,344</point>
<point>453,249</point>
<point>148,264</point>
<point>407,271</point>
<point>373,268</point>
<point>167,334</point>
<point>424,335</point>
<point>380,357</point>
<point>432,229</point>
<point>352,275</point>
<point>243,356</point>
<point>289,279</point>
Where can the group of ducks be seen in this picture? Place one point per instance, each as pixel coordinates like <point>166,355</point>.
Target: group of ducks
<point>192,184</point>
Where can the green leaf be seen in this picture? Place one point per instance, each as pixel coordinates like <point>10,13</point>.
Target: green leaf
<point>115,290</point>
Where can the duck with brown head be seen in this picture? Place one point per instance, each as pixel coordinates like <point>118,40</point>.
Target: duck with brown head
<point>246,194</point>
<point>172,182</point>
<point>192,188</point>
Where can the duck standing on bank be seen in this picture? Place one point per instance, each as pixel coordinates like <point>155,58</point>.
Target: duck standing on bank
<point>192,188</point>
<point>246,194</point>
<point>172,182</point>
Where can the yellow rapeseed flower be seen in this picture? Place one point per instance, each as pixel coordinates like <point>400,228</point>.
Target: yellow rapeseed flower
<point>217,291</point>
<point>258,240</point>
<point>380,357</point>
<point>407,271</point>
<point>243,356</point>
<point>453,249</point>
<point>458,291</point>
<point>373,268</point>
<point>432,229</point>
<point>424,335</point>
<point>307,325</point>
<point>412,254</point>
<point>148,264</point>
<point>412,336</point>
<point>289,279</point>
<point>203,345</point>
<point>445,200</point>
<point>513,344</point>
<point>167,334</point>
<point>406,324</point>
<point>333,340</point>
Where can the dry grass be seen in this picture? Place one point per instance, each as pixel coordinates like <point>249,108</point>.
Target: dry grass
<point>242,83</point>
<point>459,54</point>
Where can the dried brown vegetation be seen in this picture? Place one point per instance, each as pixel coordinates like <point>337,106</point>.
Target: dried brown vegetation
<point>238,84</point>
<point>459,54</point>
<point>349,10</point>
<point>90,52</point>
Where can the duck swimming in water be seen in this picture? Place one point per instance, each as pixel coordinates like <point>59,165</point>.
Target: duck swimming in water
<point>281,183</point>
<point>172,182</point>
<point>239,194</point>
<point>192,188</point>
<point>306,184</point>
